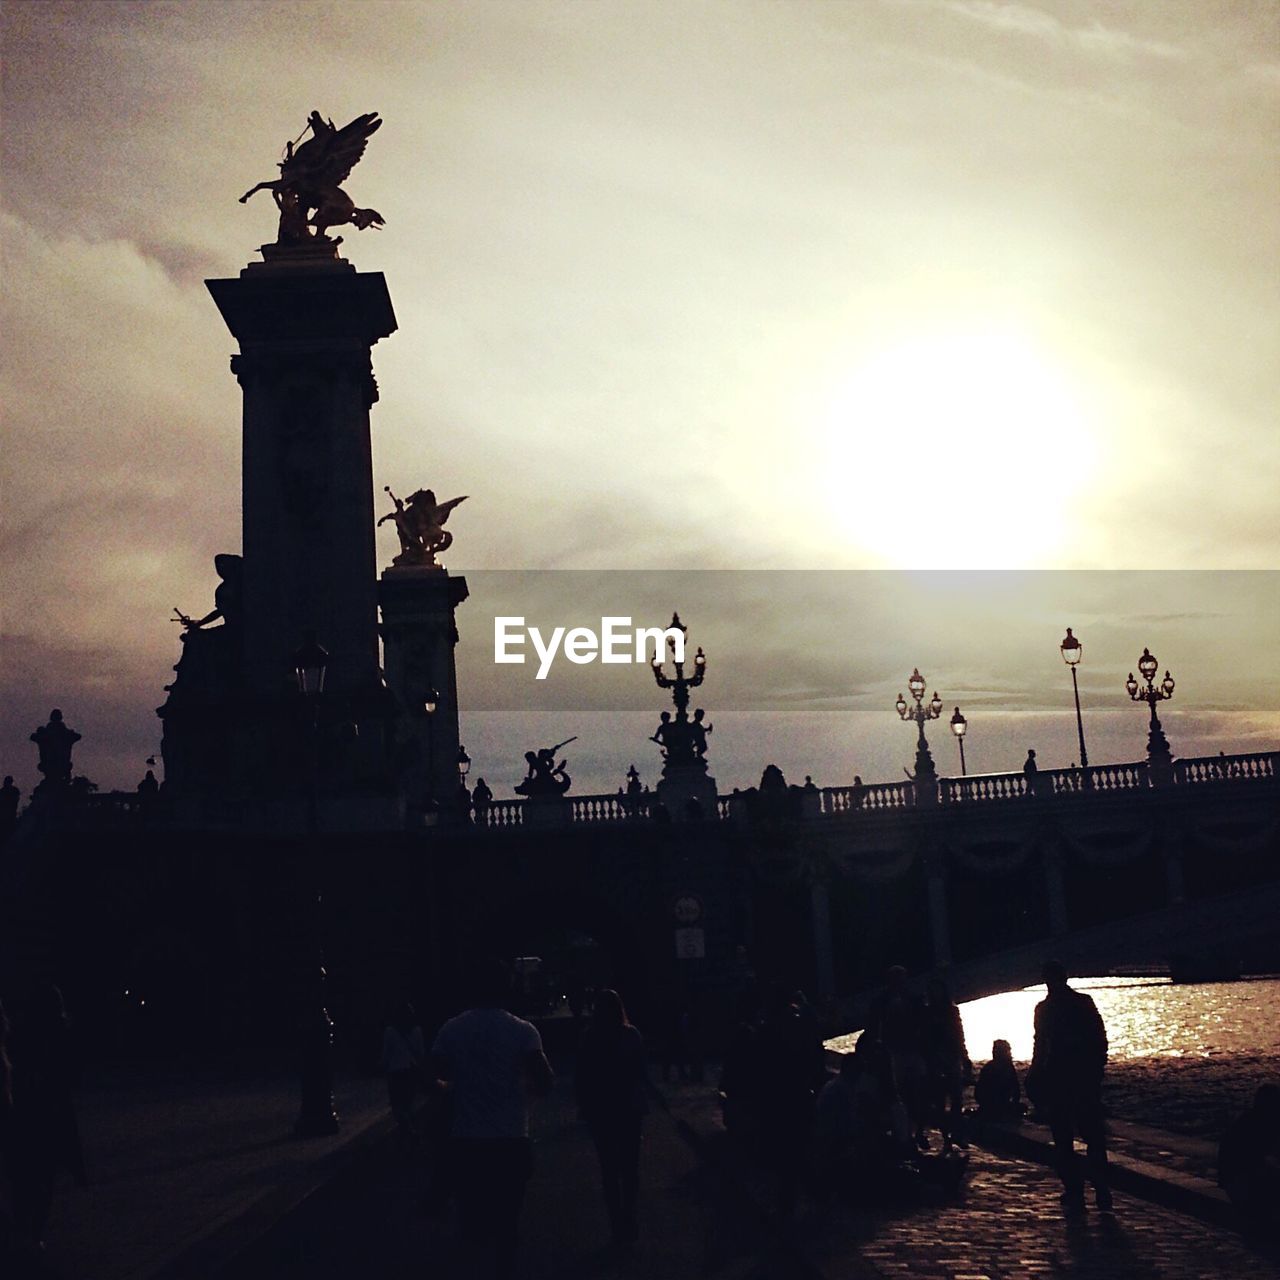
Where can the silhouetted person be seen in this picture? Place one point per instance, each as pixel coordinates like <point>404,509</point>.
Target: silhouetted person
<point>997,1092</point>
<point>896,1020</point>
<point>9,797</point>
<point>43,1134</point>
<point>946,1059</point>
<point>492,1059</point>
<point>1249,1163</point>
<point>611,1086</point>
<point>857,793</point>
<point>861,1130</point>
<point>784,1093</point>
<point>1031,771</point>
<point>481,799</point>
<point>404,1055</point>
<point>1065,1081</point>
<point>54,742</point>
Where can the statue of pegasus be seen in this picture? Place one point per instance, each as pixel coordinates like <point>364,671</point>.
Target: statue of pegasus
<point>308,191</point>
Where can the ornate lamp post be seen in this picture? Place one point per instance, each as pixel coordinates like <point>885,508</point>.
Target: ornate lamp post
<point>464,764</point>
<point>1159,756</point>
<point>926,775</point>
<point>960,726</point>
<point>1072,652</point>
<point>681,685</point>
<point>316,1115</point>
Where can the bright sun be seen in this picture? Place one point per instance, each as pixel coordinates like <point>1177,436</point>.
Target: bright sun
<point>956,452</point>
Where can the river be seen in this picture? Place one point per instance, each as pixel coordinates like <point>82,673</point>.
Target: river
<point>1184,1057</point>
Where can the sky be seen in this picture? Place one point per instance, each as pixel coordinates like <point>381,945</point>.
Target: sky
<point>923,285</point>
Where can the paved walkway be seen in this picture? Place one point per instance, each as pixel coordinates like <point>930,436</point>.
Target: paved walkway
<point>191,1173</point>
<point>180,1157</point>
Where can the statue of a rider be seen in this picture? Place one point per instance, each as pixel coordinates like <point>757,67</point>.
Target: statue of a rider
<point>420,525</point>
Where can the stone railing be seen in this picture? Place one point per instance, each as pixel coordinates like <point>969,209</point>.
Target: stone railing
<point>877,796</point>
<point>1225,768</point>
<point>889,797</point>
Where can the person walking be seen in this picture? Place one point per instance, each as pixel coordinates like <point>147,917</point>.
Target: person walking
<point>43,1135</point>
<point>491,1060</point>
<point>612,1086</point>
<point>403,1057</point>
<point>1065,1081</point>
<point>947,1062</point>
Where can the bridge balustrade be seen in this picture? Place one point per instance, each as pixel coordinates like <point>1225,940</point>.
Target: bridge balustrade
<point>880,795</point>
<point>1222,768</point>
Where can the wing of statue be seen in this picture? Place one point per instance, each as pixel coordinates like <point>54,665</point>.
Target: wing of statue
<point>336,154</point>
<point>442,511</point>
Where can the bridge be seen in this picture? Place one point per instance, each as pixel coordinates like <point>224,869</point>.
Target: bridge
<point>977,877</point>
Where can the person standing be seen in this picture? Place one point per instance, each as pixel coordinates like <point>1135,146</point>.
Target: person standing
<point>947,1059</point>
<point>612,1086</point>
<point>403,1057</point>
<point>1065,1080</point>
<point>492,1061</point>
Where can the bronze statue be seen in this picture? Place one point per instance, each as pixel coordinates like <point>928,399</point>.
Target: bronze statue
<point>544,777</point>
<point>420,524</point>
<point>308,191</point>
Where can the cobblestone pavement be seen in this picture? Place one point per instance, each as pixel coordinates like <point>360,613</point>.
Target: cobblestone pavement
<point>1009,1224</point>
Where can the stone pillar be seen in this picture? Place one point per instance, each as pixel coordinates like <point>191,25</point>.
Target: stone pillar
<point>939,923</point>
<point>419,635</point>
<point>306,323</point>
<point>824,959</point>
<point>1055,888</point>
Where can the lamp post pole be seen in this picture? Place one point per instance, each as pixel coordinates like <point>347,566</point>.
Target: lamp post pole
<point>1159,756</point>
<point>1072,651</point>
<point>316,1115</point>
<point>430,702</point>
<point>960,726</point>
<point>926,774</point>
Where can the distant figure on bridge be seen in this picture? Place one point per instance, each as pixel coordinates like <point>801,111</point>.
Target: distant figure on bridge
<point>1249,1163</point>
<point>9,797</point>
<point>1031,772</point>
<point>998,1093</point>
<point>481,799</point>
<point>1065,1081</point>
<point>857,793</point>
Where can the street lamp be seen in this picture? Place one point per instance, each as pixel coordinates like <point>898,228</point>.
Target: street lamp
<point>316,1115</point>
<point>960,726</point>
<point>926,775</point>
<point>1158,754</point>
<point>464,764</point>
<point>1072,652</point>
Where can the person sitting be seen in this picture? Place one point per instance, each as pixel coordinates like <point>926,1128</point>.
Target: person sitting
<point>998,1092</point>
<point>1249,1162</point>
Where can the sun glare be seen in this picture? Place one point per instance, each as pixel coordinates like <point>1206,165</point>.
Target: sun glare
<point>956,452</point>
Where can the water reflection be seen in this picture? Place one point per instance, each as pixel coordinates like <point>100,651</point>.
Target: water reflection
<point>1145,1018</point>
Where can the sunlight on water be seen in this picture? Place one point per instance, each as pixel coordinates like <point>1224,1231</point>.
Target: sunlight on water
<point>1144,1017</point>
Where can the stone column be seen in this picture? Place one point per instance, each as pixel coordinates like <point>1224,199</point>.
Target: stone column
<point>419,635</point>
<point>939,922</point>
<point>1055,888</point>
<point>306,324</point>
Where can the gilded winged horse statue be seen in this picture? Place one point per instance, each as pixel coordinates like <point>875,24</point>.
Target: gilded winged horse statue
<point>308,191</point>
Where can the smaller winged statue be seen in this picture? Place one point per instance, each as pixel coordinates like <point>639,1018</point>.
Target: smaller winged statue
<point>309,191</point>
<point>420,523</point>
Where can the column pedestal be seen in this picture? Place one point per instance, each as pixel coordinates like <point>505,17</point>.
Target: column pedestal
<point>419,634</point>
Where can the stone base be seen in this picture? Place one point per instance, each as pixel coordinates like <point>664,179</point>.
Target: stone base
<point>544,812</point>
<point>687,792</point>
